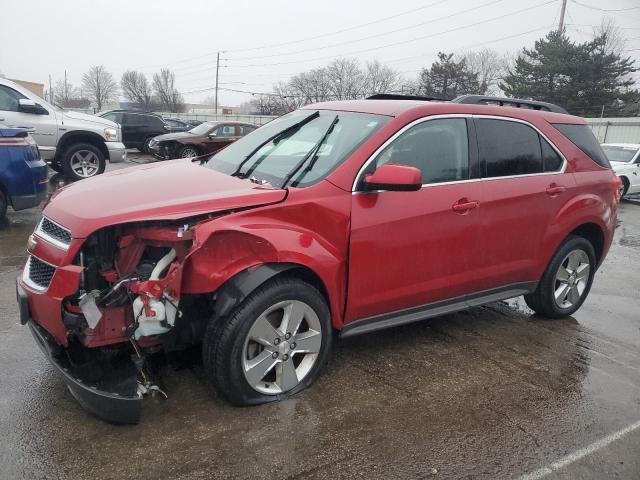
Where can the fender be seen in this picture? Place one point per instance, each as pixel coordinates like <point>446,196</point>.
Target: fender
<point>242,251</point>
<point>585,208</point>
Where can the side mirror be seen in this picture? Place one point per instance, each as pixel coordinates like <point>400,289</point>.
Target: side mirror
<point>29,106</point>
<point>396,178</point>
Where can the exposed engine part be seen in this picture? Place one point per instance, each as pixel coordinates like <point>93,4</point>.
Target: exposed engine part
<point>155,316</point>
<point>145,385</point>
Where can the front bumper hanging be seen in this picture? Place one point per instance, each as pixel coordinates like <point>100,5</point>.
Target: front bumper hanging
<point>113,398</point>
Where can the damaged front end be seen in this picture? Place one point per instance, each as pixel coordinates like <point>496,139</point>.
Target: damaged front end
<point>122,305</point>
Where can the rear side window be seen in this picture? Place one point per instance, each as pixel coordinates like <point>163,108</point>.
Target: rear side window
<point>154,121</point>
<point>582,137</point>
<point>244,129</point>
<point>508,148</point>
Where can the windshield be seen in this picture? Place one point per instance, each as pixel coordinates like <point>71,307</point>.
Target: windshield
<point>203,128</point>
<point>279,157</point>
<point>617,153</point>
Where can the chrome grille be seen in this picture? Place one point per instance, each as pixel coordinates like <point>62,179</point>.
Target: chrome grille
<point>38,273</point>
<point>53,232</point>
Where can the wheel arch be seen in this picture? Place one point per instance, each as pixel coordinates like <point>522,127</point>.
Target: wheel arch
<point>241,285</point>
<point>80,136</point>
<point>594,234</point>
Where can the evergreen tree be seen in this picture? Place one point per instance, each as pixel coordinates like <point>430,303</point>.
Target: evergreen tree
<point>582,77</point>
<point>448,78</point>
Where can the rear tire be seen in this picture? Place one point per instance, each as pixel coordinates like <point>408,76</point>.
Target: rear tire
<point>236,347</point>
<point>82,160</point>
<point>145,145</point>
<point>567,280</point>
<point>3,205</point>
<point>56,167</point>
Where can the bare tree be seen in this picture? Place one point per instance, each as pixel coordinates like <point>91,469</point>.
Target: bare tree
<point>346,79</point>
<point>64,93</point>
<point>99,85</point>
<point>168,95</point>
<point>614,40</point>
<point>379,78</point>
<point>313,86</point>
<point>490,66</point>
<point>137,88</point>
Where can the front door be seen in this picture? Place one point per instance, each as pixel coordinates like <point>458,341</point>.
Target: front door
<point>43,127</point>
<point>409,249</point>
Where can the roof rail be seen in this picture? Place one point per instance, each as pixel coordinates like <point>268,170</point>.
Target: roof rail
<point>397,96</point>
<point>509,102</point>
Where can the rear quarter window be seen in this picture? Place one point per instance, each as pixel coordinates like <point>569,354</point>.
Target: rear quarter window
<point>582,137</point>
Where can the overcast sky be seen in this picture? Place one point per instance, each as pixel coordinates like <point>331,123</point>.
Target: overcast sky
<point>266,41</point>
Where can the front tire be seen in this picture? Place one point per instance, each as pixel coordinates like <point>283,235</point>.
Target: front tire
<point>624,188</point>
<point>188,152</point>
<point>567,280</point>
<point>82,160</point>
<point>145,145</point>
<point>272,346</point>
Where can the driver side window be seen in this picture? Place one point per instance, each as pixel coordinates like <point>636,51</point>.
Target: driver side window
<point>9,99</point>
<point>438,148</point>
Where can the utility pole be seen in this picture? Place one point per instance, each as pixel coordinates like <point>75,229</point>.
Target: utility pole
<point>217,69</point>
<point>50,90</point>
<point>562,10</point>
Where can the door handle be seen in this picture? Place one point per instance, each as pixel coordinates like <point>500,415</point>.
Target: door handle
<point>464,205</point>
<point>555,189</point>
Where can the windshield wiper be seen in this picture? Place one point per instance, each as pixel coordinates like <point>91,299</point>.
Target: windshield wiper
<point>273,138</point>
<point>313,154</point>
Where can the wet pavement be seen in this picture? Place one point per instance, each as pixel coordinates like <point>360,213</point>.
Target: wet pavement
<point>491,392</point>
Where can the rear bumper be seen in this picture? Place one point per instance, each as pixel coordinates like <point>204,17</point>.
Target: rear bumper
<point>120,404</point>
<point>117,152</point>
<point>21,202</point>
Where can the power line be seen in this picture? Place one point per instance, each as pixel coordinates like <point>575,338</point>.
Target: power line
<point>344,54</point>
<point>609,10</point>
<point>300,40</point>
<point>390,32</point>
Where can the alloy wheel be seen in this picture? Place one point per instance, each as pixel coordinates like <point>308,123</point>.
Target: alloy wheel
<point>282,347</point>
<point>571,279</point>
<point>188,153</point>
<point>84,163</point>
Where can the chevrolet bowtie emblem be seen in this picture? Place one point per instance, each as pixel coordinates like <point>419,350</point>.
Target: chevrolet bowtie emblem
<point>31,243</point>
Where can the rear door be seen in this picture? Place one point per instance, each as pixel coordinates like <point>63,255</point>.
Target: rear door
<point>131,130</point>
<point>524,189</point>
<point>409,249</point>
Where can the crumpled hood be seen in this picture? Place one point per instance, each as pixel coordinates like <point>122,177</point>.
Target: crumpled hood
<point>158,191</point>
<point>173,136</point>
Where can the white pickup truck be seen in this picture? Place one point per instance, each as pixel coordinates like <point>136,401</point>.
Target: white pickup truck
<point>74,143</point>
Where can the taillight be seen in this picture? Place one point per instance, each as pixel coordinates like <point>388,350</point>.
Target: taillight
<point>166,127</point>
<point>616,184</point>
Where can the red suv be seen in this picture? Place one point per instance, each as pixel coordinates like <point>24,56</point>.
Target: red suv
<point>341,217</point>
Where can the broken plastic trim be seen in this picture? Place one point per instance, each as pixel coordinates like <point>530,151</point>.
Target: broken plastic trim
<point>110,406</point>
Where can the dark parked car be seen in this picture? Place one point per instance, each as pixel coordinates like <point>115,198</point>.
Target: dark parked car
<point>138,128</point>
<point>205,138</point>
<point>23,174</point>
<point>177,125</point>
<point>194,123</point>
